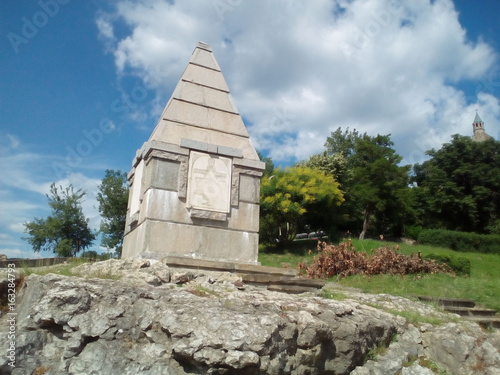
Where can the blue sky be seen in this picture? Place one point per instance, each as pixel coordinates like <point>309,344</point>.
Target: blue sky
<point>82,84</point>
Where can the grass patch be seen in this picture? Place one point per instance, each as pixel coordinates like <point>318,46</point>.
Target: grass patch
<point>433,366</point>
<point>416,318</point>
<point>330,294</point>
<point>483,285</point>
<point>380,349</point>
<point>412,316</point>
<point>424,362</point>
<point>285,258</point>
<point>59,269</point>
<point>201,291</point>
<point>65,269</point>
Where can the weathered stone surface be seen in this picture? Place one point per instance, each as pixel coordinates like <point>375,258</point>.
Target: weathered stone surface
<point>163,175</point>
<point>135,271</point>
<point>459,349</point>
<point>9,277</point>
<point>175,132</point>
<point>186,195</point>
<point>206,324</point>
<point>213,242</point>
<point>209,186</point>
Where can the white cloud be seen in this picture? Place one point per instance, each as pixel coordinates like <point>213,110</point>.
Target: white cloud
<point>26,179</point>
<point>298,70</point>
<point>105,27</point>
<point>15,212</point>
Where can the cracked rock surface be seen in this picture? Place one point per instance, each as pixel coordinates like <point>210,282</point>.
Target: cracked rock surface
<point>156,320</point>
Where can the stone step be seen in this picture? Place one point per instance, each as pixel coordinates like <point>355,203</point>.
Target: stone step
<point>292,285</point>
<point>296,285</point>
<point>276,279</point>
<point>272,279</point>
<point>486,321</point>
<point>291,289</point>
<point>263,278</point>
<point>466,311</point>
<point>215,265</point>
<point>453,302</point>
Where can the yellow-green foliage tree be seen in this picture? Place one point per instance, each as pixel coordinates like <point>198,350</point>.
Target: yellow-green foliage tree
<point>296,197</point>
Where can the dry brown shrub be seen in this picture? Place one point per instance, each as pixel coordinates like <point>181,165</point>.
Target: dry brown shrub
<point>343,260</point>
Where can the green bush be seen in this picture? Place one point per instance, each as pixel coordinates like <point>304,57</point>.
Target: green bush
<point>461,241</point>
<point>460,265</point>
<point>299,247</point>
<point>413,231</point>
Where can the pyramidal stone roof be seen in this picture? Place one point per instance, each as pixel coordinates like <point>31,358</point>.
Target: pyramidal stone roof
<point>479,135</point>
<point>477,119</point>
<point>201,109</point>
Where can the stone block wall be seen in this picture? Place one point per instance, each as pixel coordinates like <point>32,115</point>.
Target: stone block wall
<point>175,212</point>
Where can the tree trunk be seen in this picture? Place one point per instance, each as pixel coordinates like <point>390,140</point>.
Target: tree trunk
<point>365,223</point>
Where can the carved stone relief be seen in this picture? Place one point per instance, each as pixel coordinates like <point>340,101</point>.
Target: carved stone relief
<point>209,182</point>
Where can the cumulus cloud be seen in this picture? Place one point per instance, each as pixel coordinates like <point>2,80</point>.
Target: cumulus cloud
<point>9,142</point>
<point>299,70</point>
<point>15,211</point>
<point>26,179</point>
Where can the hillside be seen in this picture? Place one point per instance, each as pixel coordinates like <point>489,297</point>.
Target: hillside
<point>140,316</point>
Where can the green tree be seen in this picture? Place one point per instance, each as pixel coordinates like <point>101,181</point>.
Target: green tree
<point>113,199</point>
<point>296,196</point>
<point>89,254</point>
<point>269,164</point>
<point>458,188</point>
<point>341,145</point>
<point>66,231</point>
<point>335,165</point>
<point>381,184</point>
<point>375,186</point>
<point>343,142</point>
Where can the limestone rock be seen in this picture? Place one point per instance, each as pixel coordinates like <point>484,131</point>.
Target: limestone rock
<point>460,348</point>
<point>8,276</point>
<point>416,369</point>
<point>142,271</point>
<point>77,325</point>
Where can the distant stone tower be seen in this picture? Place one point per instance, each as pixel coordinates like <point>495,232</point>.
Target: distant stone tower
<point>194,185</point>
<point>478,130</point>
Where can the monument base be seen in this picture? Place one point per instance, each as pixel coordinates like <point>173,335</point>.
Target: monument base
<point>276,279</point>
<point>190,241</point>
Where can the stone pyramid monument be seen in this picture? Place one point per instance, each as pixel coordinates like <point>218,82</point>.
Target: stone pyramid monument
<point>194,185</point>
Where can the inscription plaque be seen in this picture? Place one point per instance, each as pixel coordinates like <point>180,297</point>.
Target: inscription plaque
<point>209,182</point>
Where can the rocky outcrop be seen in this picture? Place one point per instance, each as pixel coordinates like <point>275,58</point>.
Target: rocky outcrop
<point>139,316</point>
